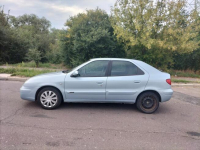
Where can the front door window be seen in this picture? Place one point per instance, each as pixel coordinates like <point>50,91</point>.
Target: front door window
<point>94,69</point>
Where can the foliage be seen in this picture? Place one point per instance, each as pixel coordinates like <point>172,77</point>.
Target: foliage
<point>179,73</point>
<point>89,35</point>
<point>187,61</point>
<point>161,33</point>
<point>151,31</point>
<point>54,55</point>
<point>9,43</point>
<point>35,55</point>
<point>32,64</point>
<point>38,25</point>
<point>190,60</point>
<point>34,31</point>
<point>21,34</point>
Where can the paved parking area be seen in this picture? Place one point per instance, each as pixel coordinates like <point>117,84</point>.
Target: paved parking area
<point>24,125</point>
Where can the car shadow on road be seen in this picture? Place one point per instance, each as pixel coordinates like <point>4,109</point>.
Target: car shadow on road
<point>107,106</point>
<point>164,108</point>
<point>97,106</point>
<point>74,106</point>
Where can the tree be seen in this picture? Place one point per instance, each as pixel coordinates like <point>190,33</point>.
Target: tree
<point>34,31</point>
<point>151,30</point>
<point>89,35</point>
<point>4,35</point>
<point>38,25</point>
<point>18,34</point>
<point>35,55</point>
<point>54,55</point>
<point>190,60</point>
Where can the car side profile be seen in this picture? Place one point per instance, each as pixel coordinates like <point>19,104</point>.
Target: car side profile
<point>107,80</point>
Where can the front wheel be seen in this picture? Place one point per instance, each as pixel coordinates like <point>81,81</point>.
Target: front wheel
<point>148,102</point>
<point>49,98</point>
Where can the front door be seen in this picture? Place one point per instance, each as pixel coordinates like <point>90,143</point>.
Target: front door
<point>90,84</point>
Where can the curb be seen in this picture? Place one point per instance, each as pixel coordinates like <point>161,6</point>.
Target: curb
<point>173,85</point>
<point>14,79</point>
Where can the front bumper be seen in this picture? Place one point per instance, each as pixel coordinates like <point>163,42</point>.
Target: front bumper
<point>27,94</point>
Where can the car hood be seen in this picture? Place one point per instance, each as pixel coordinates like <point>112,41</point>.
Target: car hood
<point>48,78</point>
<point>49,74</point>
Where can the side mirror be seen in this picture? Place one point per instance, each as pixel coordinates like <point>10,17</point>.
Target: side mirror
<point>75,74</point>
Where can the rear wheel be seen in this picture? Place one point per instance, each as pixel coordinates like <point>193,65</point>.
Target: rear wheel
<point>148,102</point>
<point>49,98</point>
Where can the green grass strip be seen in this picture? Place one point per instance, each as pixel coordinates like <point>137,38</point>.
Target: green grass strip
<point>23,72</point>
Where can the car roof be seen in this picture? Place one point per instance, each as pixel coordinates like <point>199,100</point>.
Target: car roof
<point>112,59</point>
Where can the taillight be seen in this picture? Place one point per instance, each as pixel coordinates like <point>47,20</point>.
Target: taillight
<point>169,81</point>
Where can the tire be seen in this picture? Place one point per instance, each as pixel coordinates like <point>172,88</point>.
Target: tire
<point>49,98</point>
<point>148,102</point>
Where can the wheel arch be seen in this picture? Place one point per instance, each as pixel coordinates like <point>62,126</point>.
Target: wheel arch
<point>38,90</point>
<point>149,91</point>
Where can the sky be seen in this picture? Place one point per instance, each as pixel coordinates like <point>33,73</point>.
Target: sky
<point>56,11</point>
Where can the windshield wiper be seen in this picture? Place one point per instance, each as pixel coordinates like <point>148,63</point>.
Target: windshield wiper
<point>65,71</point>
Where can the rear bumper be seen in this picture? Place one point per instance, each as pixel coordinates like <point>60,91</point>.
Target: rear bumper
<point>166,94</point>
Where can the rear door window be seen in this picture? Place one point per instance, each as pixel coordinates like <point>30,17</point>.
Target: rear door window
<point>124,68</point>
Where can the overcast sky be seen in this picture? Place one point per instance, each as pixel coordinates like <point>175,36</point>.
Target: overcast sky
<point>56,11</point>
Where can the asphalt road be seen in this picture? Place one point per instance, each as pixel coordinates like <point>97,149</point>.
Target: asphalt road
<point>24,125</point>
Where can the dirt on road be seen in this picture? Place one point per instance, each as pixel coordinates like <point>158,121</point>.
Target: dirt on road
<point>24,125</point>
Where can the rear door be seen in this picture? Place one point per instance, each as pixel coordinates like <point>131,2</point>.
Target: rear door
<point>124,81</point>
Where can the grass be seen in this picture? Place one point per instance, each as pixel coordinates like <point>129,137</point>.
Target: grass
<point>33,65</point>
<point>181,81</point>
<point>23,72</point>
<point>184,74</point>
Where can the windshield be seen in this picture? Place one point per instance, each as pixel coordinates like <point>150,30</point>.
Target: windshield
<point>70,70</point>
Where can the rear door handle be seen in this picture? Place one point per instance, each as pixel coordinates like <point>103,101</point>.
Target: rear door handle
<point>100,82</point>
<point>136,81</point>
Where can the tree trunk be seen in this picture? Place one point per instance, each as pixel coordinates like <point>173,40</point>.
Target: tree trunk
<point>37,64</point>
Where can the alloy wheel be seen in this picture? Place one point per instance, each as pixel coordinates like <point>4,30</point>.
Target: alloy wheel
<point>48,99</point>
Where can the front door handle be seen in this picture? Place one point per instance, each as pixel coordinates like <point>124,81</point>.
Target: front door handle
<point>100,82</point>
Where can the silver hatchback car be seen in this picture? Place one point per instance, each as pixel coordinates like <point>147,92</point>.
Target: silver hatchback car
<point>107,80</point>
